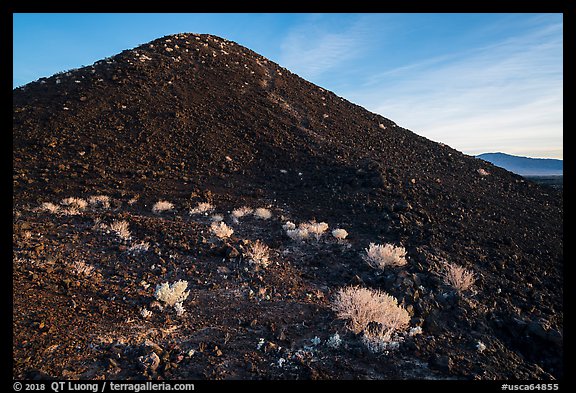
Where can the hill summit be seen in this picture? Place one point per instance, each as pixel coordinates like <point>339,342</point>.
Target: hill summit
<point>123,170</point>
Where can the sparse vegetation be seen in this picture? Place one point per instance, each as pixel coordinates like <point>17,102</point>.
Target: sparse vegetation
<point>298,234</point>
<point>171,294</point>
<point>50,207</point>
<point>75,203</point>
<point>364,306</point>
<point>340,234</point>
<point>258,253</point>
<point>457,277</point>
<point>380,256</point>
<point>316,229</point>
<point>262,213</point>
<point>221,230</point>
<point>288,226</point>
<point>120,227</point>
<point>162,206</point>
<point>202,208</point>
<point>138,248</point>
<point>81,268</point>
<point>241,212</point>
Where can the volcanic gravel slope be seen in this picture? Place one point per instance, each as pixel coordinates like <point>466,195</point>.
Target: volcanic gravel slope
<point>195,118</point>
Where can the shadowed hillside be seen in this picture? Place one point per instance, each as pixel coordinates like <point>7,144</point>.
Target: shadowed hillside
<point>192,119</point>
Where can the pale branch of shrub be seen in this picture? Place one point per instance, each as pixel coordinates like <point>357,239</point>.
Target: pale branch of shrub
<point>362,306</point>
<point>121,229</point>
<point>262,213</point>
<point>202,208</point>
<point>145,313</point>
<point>180,310</point>
<point>138,248</point>
<point>458,277</point>
<point>382,256</point>
<point>258,253</point>
<point>81,268</point>
<point>221,230</point>
<point>217,217</point>
<point>78,203</point>
<point>162,206</point>
<point>173,293</point>
<point>316,229</point>
<point>298,234</point>
<point>288,226</point>
<point>339,234</point>
<point>50,207</point>
<point>133,200</point>
<point>241,212</point>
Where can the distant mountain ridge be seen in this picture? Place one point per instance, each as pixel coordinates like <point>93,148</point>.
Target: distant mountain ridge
<point>525,166</point>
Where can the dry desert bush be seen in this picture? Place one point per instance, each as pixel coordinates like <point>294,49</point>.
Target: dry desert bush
<point>162,206</point>
<point>49,207</point>
<point>363,307</point>
<point>221,230</point>
<point>262,213</point>
<point>172,294</point>
<point>121,229</point>
<point>78,203</point>
<point>298,234</point>
<point>380,256</point>
<point>202,208</point>
<point>339,234</point>
<point>458,277</point>
<point>315,229</point>
<point>258,253</point>
<point>241,212</point>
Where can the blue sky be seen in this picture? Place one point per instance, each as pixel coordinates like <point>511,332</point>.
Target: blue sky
<point>477,82</point>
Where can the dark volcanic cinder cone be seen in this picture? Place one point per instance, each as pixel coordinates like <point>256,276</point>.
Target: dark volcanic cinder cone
<point>197,116</point>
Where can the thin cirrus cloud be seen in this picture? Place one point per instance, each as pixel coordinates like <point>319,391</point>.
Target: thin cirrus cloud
<point>506,96</point>
<point>319,44</point>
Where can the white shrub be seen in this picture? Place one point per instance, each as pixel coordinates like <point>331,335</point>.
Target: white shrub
<point>458,277</point>
<point>217,217</point>
<point>241,212</point>
<point>138,248</point>
<point>77,203</point>
<point>202,208</point>
<point>121,229</point>
<point>298,234</point>
<point>221,230</point>
<point>289,226</point>
<point>340,234</point>
<point>145,313</point>
<point>81,268</point>
<point>50,207</point>
<point>162,206</point>
<point>258,253</point>
<point>381,256</point>
<point>334,341</point>
<point>173,293</point>
<point>361,306</point>
<point>179,309</point>
<point>316,228</point>
<point>262,213</point>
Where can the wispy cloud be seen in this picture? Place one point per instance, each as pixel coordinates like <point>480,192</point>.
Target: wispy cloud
<point>322,42</point>
<point>505,96</point>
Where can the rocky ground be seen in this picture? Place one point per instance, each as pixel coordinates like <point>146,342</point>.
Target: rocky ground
<point>195,118</point>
